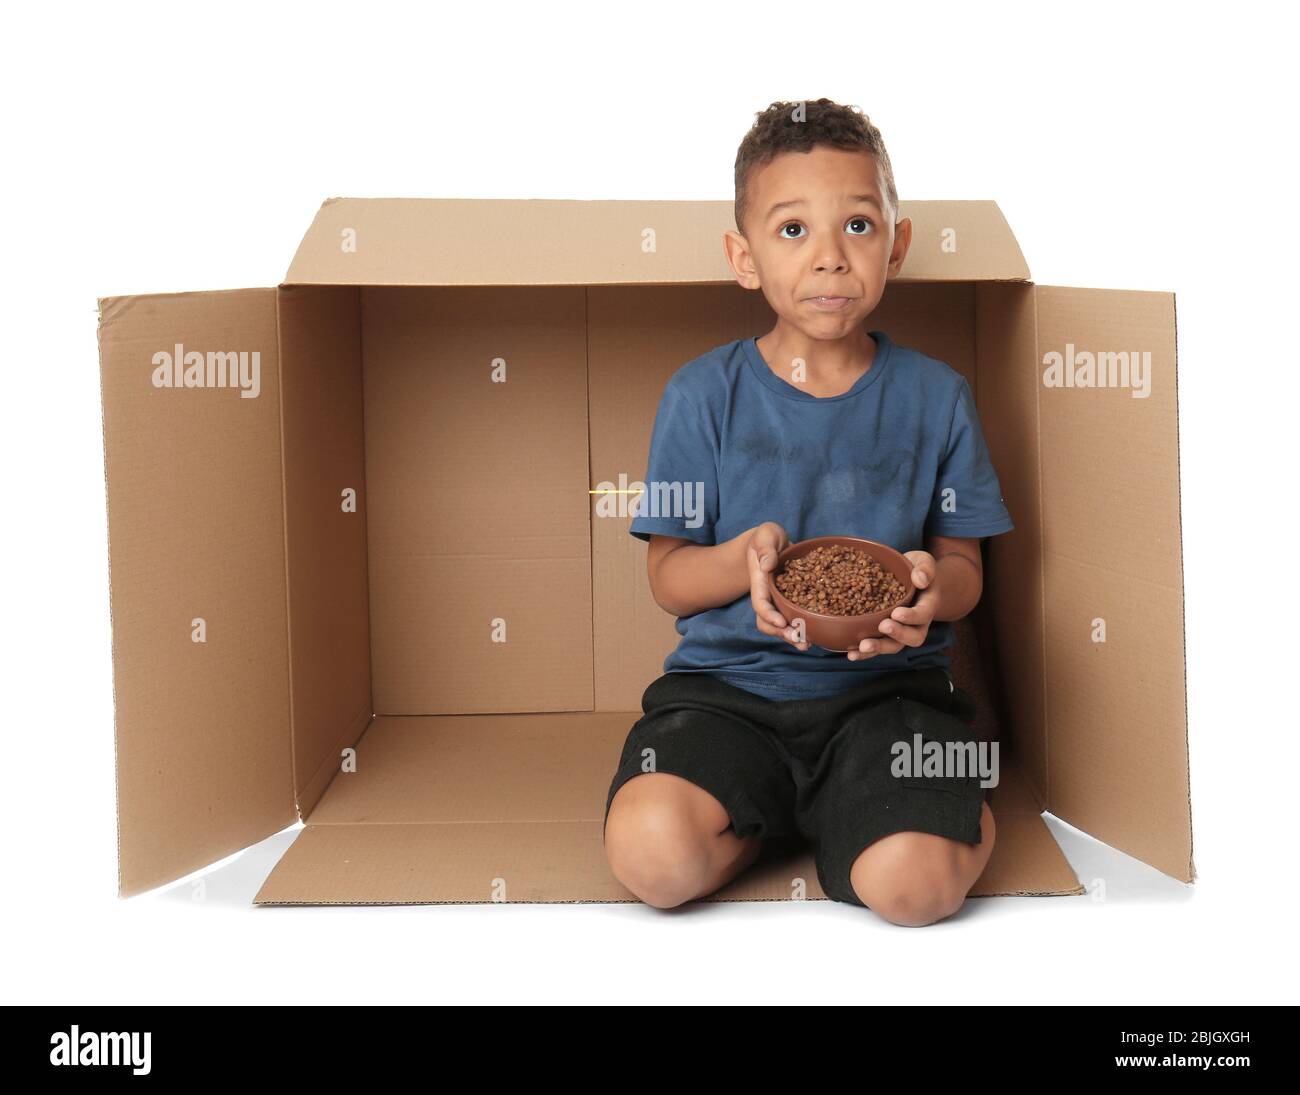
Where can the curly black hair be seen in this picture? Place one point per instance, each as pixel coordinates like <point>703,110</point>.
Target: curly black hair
<point>797,127</point>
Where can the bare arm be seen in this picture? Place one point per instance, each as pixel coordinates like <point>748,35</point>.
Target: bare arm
<point>960,572</point>
<point>686,577</point>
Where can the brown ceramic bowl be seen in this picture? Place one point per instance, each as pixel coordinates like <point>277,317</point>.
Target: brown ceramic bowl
<point>841,633</point>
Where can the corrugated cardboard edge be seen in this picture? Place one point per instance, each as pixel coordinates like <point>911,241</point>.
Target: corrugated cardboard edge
<point>102,304</point>
<point>284,534</point>
<point>1046,728</point>
<point>1182,581</point>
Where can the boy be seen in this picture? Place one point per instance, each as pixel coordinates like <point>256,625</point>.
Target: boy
<point>819,427</point>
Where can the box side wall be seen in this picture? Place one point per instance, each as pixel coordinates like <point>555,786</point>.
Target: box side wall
<point>325,529</point>
<point>197,578</point>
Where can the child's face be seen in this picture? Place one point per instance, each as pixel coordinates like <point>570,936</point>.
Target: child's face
<point>832,235</point>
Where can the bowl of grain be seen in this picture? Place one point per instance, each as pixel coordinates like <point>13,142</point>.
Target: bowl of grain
<point>842,587</point>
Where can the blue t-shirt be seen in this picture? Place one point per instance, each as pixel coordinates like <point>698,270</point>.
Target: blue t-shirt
<point>898,457</point>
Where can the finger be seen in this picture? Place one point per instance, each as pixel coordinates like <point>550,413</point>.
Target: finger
<point>761,598</point>
<point>783,630</point>
<point>925,601</point>
<point>908,636</point>
<point>869,648</point>
<point>916,615</point>
<point>787,633</point>
<point>768,611</point>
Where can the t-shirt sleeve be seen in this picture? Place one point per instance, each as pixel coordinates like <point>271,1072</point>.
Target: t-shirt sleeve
<point>681,496</point>
<point>967,498</point>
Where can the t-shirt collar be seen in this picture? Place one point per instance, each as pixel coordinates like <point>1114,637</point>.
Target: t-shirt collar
<point>763,371</point>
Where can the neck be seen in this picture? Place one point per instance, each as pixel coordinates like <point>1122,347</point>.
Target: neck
<point>824,360</point>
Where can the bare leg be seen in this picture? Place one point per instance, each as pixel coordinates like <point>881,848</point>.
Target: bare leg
<point>669,841</point>
<point>914,879</point>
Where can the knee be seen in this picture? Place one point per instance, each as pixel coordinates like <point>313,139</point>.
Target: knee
<point>654,849</point>
<point>916,879</point>
<point>916,902</point>
<point>909,889</point>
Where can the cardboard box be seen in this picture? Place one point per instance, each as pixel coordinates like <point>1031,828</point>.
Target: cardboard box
<point>359,577</point>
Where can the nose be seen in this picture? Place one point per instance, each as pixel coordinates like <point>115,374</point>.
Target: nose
<point>831,260</point>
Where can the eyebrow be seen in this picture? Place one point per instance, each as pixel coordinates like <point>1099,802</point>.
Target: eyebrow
<point>870,198</point>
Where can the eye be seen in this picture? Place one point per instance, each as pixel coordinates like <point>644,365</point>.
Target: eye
<point>791,224</point>
<point>867,226</point>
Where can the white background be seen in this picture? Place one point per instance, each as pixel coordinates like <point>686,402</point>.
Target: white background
<point>167,148</point>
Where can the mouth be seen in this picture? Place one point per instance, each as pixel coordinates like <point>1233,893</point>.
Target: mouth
<point>829,304</point>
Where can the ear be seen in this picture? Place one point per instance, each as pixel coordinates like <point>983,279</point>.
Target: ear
<point>741,259</point>
<point>902,242</point>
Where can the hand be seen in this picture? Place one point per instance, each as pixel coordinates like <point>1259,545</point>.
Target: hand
<point>907,626</point>
<point>765,544</point>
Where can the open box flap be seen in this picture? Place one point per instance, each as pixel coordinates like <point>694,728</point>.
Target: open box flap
<point>1114,687</point>
<point>196,552</point>
<point>486,241</point>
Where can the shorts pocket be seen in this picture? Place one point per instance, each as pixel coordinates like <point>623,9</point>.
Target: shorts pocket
<point>942,744</point>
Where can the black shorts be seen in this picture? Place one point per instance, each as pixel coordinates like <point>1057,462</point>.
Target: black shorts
<point>814,770</point>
